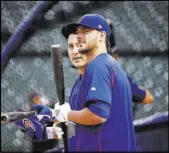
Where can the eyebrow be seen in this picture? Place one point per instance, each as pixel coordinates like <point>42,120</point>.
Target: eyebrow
<point>72,43</point>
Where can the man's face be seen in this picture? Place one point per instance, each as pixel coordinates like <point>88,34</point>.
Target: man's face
<point>40,100</point>
<point>87,39</point>
<point>76,58</point>
<point>37,100</point>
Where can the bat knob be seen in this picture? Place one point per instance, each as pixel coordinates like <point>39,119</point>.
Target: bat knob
<point>3,119</point>
<point>55,46</point>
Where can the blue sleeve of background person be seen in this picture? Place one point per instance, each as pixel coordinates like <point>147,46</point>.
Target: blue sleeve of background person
<point>98,89</point>
<point>138,94</point>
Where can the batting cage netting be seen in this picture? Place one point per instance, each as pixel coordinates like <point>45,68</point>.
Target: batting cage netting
<point>29,28</point>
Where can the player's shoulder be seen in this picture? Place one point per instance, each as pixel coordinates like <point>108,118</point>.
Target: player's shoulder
<point>102,62</point>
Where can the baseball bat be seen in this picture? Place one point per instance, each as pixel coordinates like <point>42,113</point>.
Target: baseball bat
<point>15,116</point>
<point>56,53</point>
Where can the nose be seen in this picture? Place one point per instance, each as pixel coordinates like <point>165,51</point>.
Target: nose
<point>76,51</point>
<point>79,36</point>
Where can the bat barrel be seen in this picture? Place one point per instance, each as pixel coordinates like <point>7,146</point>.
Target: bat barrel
<point>15,116</point>
<point>56,53</point>
<point>4,119</point>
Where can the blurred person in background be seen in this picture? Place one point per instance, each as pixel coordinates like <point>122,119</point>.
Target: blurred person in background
<point>139,94</point>
<point>37,98</point>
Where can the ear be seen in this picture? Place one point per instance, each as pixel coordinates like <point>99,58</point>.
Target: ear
<point>102,35</point>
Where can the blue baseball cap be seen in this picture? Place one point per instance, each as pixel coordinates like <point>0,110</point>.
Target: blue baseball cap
<point>94,21</point>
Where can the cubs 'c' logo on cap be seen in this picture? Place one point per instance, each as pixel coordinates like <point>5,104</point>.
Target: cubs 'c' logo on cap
<point>28,124</point>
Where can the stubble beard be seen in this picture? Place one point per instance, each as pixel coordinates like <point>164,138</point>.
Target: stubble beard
<point>84,51</point>
<point>88,48</point>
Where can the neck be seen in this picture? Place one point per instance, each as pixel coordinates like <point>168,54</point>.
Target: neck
<point>81,70</point>
<point>91,55</point>
<point>96,52</point>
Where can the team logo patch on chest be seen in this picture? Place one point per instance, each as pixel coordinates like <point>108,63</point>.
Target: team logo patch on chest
<point>28,124</point>
<point>93,89</point>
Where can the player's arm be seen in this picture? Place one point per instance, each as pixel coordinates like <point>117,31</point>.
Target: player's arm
<point>85,117</point>
<point>90,115</point>
<point>148,99</point>
<point>139,94</point>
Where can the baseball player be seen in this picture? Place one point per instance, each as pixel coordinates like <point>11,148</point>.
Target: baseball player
<point>100,101</point>
<point>139,94</point>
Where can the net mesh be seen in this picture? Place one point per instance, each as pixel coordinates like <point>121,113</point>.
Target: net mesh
<point>138,26</point>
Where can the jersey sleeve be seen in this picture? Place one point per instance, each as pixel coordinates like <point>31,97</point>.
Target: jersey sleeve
<point>138,93</point>
<point>98,89</point>
<point>100,108</point>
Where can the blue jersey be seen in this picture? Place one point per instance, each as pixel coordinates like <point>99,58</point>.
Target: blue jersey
<point>104,89</point>
<point>138,94</point>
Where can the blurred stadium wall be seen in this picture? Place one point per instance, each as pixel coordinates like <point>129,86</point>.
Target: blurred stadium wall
<point>141,31</point>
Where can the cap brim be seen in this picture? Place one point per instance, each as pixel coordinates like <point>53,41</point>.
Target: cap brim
<point>68,29</point>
